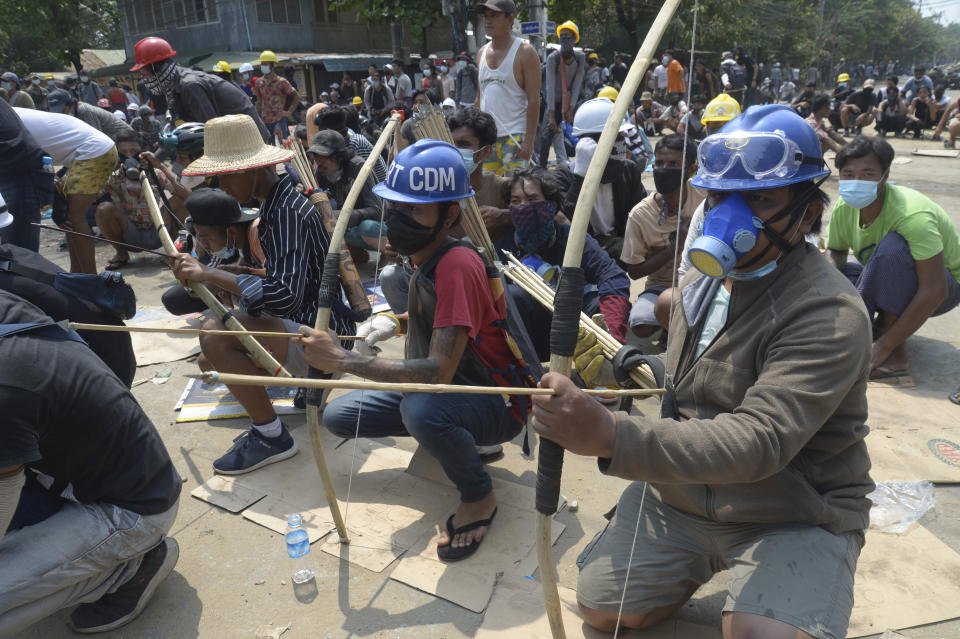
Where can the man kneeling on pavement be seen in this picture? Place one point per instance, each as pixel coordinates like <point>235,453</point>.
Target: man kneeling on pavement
<point>758,462</point>
<point>456,334</point>
<point>87,489</point>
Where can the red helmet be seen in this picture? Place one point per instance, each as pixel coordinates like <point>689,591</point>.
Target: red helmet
<point>150,50</point>
<point>103,103</point>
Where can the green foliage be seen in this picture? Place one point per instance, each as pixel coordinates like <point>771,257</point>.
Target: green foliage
<point>47,34</point>
<point>414,15</point>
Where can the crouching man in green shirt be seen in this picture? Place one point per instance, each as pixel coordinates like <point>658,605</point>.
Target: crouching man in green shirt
<point>757,463</point>
<point>907,251</point>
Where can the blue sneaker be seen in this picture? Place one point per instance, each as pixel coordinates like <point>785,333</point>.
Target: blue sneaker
<point>251,451</point>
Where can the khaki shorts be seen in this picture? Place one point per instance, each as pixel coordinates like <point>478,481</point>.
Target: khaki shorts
<point>799,574</point>
<point>89,177</point>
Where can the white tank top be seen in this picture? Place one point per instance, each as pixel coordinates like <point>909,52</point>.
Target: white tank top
<point>501,96</point>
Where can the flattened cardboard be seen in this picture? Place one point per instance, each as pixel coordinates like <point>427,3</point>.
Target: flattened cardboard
<point>158,348</point>
<point>228,493</point>
<point>517,610</point>
<point>913,455</point>
<point>469,583</point>
<point>937,153</point>
<point>904,581</point>
<point>272,513</point>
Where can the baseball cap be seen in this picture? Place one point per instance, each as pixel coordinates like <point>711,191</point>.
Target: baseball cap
<point>503,6</point>
<point>58,97</point>
<point>448,102</point>
<point>326,143</point>
<point>10,76</point>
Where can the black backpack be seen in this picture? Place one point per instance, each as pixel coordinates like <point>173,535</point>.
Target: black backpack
<point>737,76</point>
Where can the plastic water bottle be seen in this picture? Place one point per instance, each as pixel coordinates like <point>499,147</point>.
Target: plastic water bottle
<point>47,164</point>
<point>46,211</point>
<point>298,547</point>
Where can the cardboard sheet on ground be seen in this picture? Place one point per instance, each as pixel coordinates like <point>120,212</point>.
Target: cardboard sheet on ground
<point>914,455</point>
<point>157,348</point>
<point>937,153</point>
<point>517,610</point>
<point>202,402</point>
<point>376,298</point>
<point>469,583</point>
<point>904,581</point>
<point>229,493</point>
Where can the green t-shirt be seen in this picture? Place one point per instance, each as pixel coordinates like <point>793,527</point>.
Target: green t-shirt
<point>922,223</point>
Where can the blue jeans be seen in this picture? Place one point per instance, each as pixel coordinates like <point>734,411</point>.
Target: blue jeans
<point>368,228</point>
<point>448,426</point>
<point>283,125</point>
<point>395,282</point>
<point>26,194</point>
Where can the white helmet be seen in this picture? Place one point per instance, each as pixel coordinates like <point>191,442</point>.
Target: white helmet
<point>592,116</point>
<point>246,67</point>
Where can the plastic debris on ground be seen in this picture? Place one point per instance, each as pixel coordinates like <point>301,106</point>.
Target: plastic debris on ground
<point>897,505</point>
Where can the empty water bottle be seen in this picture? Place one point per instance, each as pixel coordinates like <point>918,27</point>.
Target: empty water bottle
<point>298,547</point>
<point>47,164</point>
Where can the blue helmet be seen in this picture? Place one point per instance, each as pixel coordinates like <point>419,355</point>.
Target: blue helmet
<point>766,147</point>
<point>424,172</point>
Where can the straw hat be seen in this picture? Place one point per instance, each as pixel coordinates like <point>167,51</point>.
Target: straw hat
<point>233,143</point>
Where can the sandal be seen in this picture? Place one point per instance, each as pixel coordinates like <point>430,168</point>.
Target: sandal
<point>115,265</point>
<point>882,372</point>
<point>449,553</point>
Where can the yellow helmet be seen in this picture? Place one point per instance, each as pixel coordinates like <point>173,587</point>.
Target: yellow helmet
<point>569,24</point>
<point>49,76</point>
<point>357,100</point>
<point>268,56</point>
<point>843,77</point>
<point>222,67</point>
<point>722,108</point>
<point>609,93</point>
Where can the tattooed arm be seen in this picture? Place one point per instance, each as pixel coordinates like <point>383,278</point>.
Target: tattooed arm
<point>322,351</point>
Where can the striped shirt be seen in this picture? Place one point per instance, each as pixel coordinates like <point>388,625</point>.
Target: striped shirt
<point>361,146</point>
<point>295,243</point>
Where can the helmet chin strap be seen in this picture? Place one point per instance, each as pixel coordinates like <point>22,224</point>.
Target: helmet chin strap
<point>774,238</point>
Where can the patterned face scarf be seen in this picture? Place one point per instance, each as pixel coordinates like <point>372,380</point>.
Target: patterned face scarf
<point>163,79</point>
<point>533,224</point>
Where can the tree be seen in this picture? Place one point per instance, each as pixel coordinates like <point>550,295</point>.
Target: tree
<point>413,16</point>
<point>47,34</point>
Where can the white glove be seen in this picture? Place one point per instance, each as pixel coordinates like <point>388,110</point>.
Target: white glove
<point>378,328</point>
<point>585,150</point>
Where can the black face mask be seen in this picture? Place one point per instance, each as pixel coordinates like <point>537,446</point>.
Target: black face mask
<point>406,235</point>
<point>667,180</point>
<point>612,172</point>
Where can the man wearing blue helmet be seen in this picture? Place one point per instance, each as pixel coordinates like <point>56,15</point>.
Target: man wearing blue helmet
<point>454,334</point>
<point>757,463</point>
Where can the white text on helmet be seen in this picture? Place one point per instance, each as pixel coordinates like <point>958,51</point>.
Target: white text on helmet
<point>431,179</point>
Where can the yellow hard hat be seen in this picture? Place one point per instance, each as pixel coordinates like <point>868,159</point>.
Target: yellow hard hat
<point>569,24</point>
<point>609,93</point>
<point>222,67</point>
<point>357,99</point>
<point>593,56</point>
<point>843,77</point>
<point>268,56</point>
<point>722,108</point>
<point>49,76</point>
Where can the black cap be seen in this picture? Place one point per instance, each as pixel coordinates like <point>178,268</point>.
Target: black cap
<point>58,97</point>
<point>326,143</point>
<point>213,207</point>
<point>503,6</point>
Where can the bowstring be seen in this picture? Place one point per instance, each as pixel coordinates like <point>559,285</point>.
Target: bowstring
<point>376,279</point>
<point>673,287</point>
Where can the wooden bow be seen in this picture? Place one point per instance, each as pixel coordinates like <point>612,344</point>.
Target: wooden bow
<point>568,304</point>
<point>329,288</point>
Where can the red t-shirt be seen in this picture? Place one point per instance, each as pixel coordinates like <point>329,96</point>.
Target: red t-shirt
<point>464,299</point>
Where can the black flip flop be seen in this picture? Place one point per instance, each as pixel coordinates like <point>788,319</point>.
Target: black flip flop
<point>448,553</point>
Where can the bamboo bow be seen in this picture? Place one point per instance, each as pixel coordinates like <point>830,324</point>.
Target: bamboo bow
<point>329,287</point>
<point>569,301</point>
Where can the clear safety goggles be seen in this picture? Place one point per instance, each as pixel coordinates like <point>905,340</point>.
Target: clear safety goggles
<point>760,154</point>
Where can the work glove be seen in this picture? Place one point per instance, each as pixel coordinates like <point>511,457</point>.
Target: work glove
<point>590,363</point>
<point>378,328</point>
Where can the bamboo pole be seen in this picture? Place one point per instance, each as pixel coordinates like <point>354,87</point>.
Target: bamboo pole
<point>111,328</point>
<point>213,377</point>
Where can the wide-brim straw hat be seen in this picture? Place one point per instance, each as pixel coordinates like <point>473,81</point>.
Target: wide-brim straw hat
<point>232,143</point>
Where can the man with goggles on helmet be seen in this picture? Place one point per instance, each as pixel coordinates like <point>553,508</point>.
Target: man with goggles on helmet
<point>757,463</point>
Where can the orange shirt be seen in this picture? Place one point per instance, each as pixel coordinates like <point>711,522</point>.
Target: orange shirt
<point>675,80</point>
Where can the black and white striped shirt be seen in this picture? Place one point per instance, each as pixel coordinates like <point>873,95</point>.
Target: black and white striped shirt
<point>362,147</point>
<point>295,243</point>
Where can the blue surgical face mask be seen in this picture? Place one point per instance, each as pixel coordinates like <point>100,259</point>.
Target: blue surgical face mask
<point>766,269</point>
<point>427,72</point>
<point>468,159</point>
<point>461,64</point>
<point>443,68</point>
<point>730,230</point>
<point>6,85</point>
<point>858,193</point>
<point>226,254</point>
